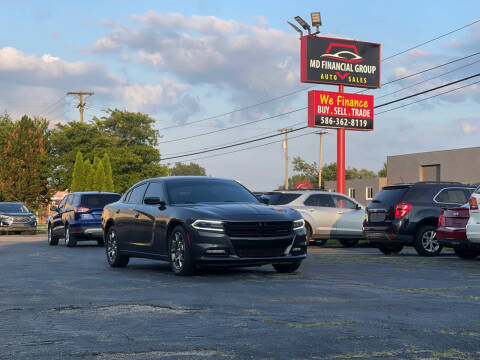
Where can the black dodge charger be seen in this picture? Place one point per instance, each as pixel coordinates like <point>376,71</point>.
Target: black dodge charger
<point>194,221</point>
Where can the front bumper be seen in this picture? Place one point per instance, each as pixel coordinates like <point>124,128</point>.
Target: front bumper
<point>19,227</point>
<point>210,248</point>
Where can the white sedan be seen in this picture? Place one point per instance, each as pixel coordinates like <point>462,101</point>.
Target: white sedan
<point>327,215</point>
<point>473,225</point>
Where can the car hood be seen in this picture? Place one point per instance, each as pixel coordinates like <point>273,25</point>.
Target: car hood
<point>242,212</point>
<point>15,214</point>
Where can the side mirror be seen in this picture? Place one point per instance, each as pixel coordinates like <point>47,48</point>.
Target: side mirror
<point>54,208</point>
<point>152,200</point>
<point>358,207</point>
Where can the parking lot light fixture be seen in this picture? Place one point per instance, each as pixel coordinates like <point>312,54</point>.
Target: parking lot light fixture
<point>296,28</point>
<point>316,21</point>
<point>303,24</point>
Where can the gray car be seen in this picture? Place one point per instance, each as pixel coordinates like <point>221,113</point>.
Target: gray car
<point>327,215</point>
<point>15,218</point>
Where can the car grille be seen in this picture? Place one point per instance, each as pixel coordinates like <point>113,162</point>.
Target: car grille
<point>258,228</point>
<point>261,248</point>
<point>20,219</point>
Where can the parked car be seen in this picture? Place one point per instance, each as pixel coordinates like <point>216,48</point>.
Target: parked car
<point>327,215</point>
<point>473,224</point>
<point>191,221</point>
<point>451,232</point>
<point>15,217</point>
<point>407,214</point>
<point>78,217</point>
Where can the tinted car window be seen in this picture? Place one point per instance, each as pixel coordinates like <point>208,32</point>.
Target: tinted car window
<point>13,208</point>
<point>343,202</point>
<point>136,196</point>
<point>192,191</point>
<point>390,195</point>
<point>155,189</point>
<point>323,200</point>
<point>282,198</point>
<point>98,200</point>
<point>452,196</point>
<point>62,203</point>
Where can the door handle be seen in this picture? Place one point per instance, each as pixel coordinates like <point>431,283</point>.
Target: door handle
<point>137,215</point>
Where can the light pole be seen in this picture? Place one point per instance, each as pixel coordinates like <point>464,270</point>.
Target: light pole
<point>321,133</point>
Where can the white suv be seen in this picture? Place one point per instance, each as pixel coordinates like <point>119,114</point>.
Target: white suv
<point>327,215</point>
<point>473,225</point>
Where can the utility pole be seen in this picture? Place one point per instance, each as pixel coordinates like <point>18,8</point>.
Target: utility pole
<point>81,103</point>
<point>285,148</point>
<point>320,157</point>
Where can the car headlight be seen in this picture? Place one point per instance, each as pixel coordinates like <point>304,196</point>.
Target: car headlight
<point>208,225</point>
<point>298,224</point>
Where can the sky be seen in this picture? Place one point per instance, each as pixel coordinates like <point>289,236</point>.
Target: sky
<point>185,62</point>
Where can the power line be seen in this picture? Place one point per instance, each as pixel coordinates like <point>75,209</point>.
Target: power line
<point>431,40</point>
<point>304,127</point>
<point>310,87</point>
<point>49,109</point>
<point>303,108</point>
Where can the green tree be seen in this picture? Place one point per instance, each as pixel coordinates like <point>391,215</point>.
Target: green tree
<point>191,169</point>
<point>78,177</point>
<point>96,161</point>
<point>89,175</point>
<point>383,171</point>
<point>108,185</point>
<point>99,180</point>
<point>24,168</point>
<point>129,138</point>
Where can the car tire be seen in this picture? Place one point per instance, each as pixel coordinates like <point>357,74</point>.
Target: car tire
<point>389,249</point>
<point>179,250</point>
<point>114,257</point>
<point>309,236</point>
<point>287,267</point>
<point>349,243</point>
<point>321,242</point>
<point>70,240</point>
<point>425,241</point>
<point>467,254</point>
<point>51,238</point>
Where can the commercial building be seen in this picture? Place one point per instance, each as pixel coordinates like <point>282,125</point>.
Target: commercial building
<point>460,165</point>
<point>362,190</point>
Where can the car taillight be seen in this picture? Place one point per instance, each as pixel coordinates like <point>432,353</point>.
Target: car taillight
<point>402,209</point>
<point>81,209</point>
<point>440,219</point>
<point>473,203</point>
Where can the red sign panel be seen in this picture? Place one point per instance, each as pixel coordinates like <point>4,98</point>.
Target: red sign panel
<point>340,62</point>
<point>340,110</point>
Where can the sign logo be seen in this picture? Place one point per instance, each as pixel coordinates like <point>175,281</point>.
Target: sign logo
<point>340,110</point>
<point>340,62</point>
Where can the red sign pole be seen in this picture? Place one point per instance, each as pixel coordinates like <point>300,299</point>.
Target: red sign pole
<point>340,155</point>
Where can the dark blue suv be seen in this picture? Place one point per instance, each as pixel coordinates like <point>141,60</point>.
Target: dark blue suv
<point>78,217</point>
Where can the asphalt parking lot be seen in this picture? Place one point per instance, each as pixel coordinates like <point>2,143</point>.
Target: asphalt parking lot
<point>66,303</point>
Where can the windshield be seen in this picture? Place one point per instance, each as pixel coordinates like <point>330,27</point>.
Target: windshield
<point>192,191</point>
<point>13,208</point>
<point>99,200</point>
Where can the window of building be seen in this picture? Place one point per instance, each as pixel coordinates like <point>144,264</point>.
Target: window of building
<point>351,192</point>
<point>369,193</point>
<point>430,172</point>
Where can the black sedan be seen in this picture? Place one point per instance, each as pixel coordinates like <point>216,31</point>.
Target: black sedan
<point>193,221</point>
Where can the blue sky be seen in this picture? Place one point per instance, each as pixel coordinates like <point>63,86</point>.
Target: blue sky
<point>185,61</point>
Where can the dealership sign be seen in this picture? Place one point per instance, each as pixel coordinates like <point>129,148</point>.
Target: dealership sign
<point>340,110</point>
<point>340,62</point>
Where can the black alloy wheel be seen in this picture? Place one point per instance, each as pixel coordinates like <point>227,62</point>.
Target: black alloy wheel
<point>70,240</point>
<point>426,242</point>
<point>114,258</point>
<point>287,267</point>
<point>180,257</point>
<point>467,254</point>
<point>348,243</point>
<point>51,238</point>
<point>390,249</point>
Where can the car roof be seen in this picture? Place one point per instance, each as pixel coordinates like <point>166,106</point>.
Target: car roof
<point>94,193</point>
<point>173,178</point>
<point>304,191</point>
